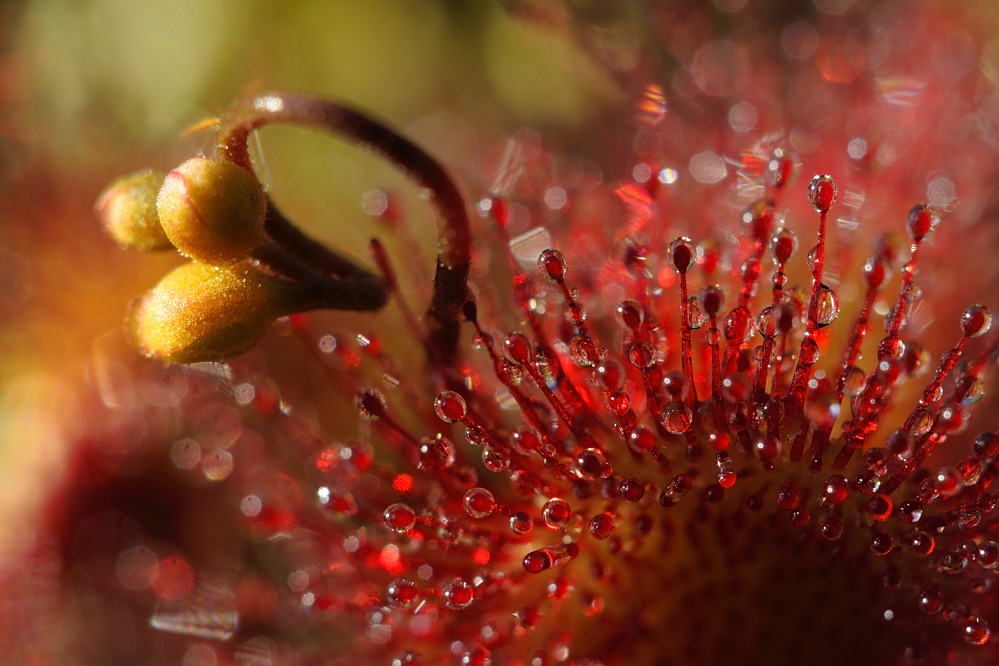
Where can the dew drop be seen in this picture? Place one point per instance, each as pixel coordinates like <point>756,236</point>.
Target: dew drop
<point>402,592</point>
<point>521,523</point>
<point>552,265</point>
<point>822,193</point>
<point>759,216</point>
<point>783,245</point>
<point>631,489</point>
<point>922,544</point>
<point>788,496</point>
<point>518,349</point>
<point>399,517</point>
<point>642,355</point>
<point>910,512</point>
<point>676,489</point>
<point>582,352</point>
<point>922,421</point>
<point>826,306</point>
<point>479,502</point>
<point>435,453</point>
<point>971,389</point>
<point>976,321</point>
<point>831,529</point>
<point>856,379</point>
<point>921,222</point>
<point>696,318</point>
<point>879,506</point>
<point>881,543</point>
<point>458,594</point>
<point>676,417</point>
<point>610,375</point>
<point>556,513</point>
<point>986,445</point>
<point>630,313</point>
<point>681,254</point>
<point>710,299</point>
<point>976,631</point>
<point>592,463</point>
<point>494,459</point>
<point>450,407</point>
<point>738,326</point>
<point>601,525</point>
<point>836,489</point>
<point>875,271</point>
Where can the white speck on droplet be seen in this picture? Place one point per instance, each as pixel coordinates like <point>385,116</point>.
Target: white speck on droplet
<point>250,505</point>
<point>327,344</point>
<point>667,176</point>
<point>323,493</point>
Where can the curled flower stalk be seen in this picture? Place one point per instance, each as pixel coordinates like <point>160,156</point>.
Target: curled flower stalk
<point>215,212</point>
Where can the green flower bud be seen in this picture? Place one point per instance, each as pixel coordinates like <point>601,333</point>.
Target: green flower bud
<point>127,209</point>
<point>212,210</point>
<point>207,313</point>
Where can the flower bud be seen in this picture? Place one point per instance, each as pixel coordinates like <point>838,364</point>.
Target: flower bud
<point>127,209</point>
<point>212,211</point>
<point>207,313</point>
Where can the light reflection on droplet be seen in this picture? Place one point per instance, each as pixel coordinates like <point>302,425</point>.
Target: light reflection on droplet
<point>742,117</point>
<point>217,465</point>
<point>667,176</point>
<point>856,148</point>
<point>708,168</point>
<point>200,655</point>
<point>185,453</point>
<point>641,173</point>
<point>244,393</point>
<point>556,198</point>
<point>941,193</point>
<point>250,506</point>
<point>374,203</point>
<point>135,567</point>
<point>327,344</point>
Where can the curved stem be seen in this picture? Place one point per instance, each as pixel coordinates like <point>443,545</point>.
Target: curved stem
<point>454,238</point>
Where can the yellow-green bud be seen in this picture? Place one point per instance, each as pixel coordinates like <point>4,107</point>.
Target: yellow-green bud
<point>212,211</point>
<point>200,313</point>
<point>127,209</point>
